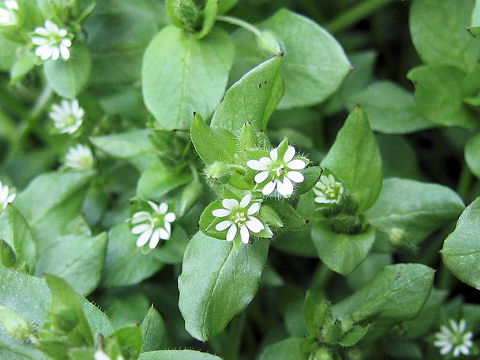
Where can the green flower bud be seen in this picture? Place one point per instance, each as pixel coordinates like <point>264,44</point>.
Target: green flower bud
<point>218,172</point>
<point>186,14</point>
<point>267,42</point>
<point>347,224</point>
<point>399,239</point>
<point>321,354</point>
<point>15,325</point>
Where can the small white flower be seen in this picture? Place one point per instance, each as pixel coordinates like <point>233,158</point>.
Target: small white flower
<point>153,227</point>
<point>6,196</point>
<point>79,157</point>
<point>67,116</point>
<point>52,42</point>
<point>8,16</point>
<point>282,172</point>
<point>239,216</point>
<point>454,339</point>
<point>328,190</point>
<point>100,355</point>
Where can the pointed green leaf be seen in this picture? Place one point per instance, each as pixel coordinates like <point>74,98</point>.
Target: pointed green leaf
<point>154,331</point>
<point>177,355</point>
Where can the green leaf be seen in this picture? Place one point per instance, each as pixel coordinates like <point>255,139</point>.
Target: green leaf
<point>290,218</point>
<point>315,64</point>
<point>51,202</point>
<point>69,77</point>
<point>355,159</point>
<point>438,32</point>
<point>125,263</point>
<point>22,66</point>
<point>7,54</point>
<point>154,332</point>
<point>472,154</point>
<point>474,27</point>
<point>461,249</point>
<point>225,5</point>
<point>77,259</point>
<point>129,339</point>
<point>15,231</point>
<point>390,108</point>
<point>212,144</point>
<point>289,349</point>
<point>213,292</point>
<point>29,296</point>
<point>372,264</point>
<point>438,94</point>
<point>159,180</point>
<point>397,292</point>
<point>341,252</point>
<point>182,75</point>
<point>126,145</point>
<point>7,255</point>
<point>177,355</point>
<point>416,209</point>
<point>252,99</point>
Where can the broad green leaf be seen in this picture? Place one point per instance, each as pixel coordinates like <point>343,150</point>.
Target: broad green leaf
<point>438,94</point>
<point>24,63</point>
<point>77,259</point>
<point>177,355</point>
<point>438,32</point>
<point>69,77</point>
<point>212,144</point>
<point>341,252</point>
<point>355,159</point>
<point>125,145</point>
<point>291,219</point>
<point>225,5</point>
<point>130,25</point>
<point>298,243</point>
<point>29,296</point>
<point>472,154</point>
<point>397,292</point>
<point>289,349</point>
<point>125,306</point>
<point>390,108</point>
<point>50,203</point>
<point>125,263</point>
<point>7,255</point>
<point>154,332</point>
<point>372,264</point>
<point>212,292</point>
<point>413,209</point>
<point>129,339</point>
<point>8,51</point>
<point>182,75</point>
<point>159,180</point>
<point>461,249</point>
<point>252,99</point>
<point>315,64</point>
<point>15,231</point>
<point>399,157</point>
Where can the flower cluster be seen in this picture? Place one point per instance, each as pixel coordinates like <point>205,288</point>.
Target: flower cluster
<point>278,171</point>
<point>239,217</point>
<point>67,116</point>
<point>8,16</point>
<point>454,339</point>
<point>153,226</point>
<point>51,42</point>
<point>6,196</point>
<point>328,191</point>
<point>79,157</point>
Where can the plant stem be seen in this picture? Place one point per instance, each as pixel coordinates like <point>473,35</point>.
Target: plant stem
<point>241,23</point>
<point>41,103</point>
<point>355,14</point>
<point>464,181</point>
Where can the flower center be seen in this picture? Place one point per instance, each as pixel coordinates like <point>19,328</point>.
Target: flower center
<point>239,217</point>
<point>331,192</point>
<point>277,168</point>
<point>157,220</point>
<point>457,339</point>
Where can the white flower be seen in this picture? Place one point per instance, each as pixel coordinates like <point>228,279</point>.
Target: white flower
<point>79,157</point>
<point>328,190</point>
<point>280,171</point>
<point>68,116</point>
<point>6,196</point>
<point>100,355</point>
<point>239,215</point>
<point>52,42</point>
<point>153,227</point>
<point>8,15</point>
<point>454,339</point>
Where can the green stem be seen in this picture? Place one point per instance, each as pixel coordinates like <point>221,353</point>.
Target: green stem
<point>355,14</point>
<point>464,181</point>
<point>235,21</point>
<point>41,104</point>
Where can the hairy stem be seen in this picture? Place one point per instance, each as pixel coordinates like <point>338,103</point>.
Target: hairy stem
<point>235,21</point>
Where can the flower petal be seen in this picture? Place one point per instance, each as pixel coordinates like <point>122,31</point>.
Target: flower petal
<point>223,225</point>
<point>164,234</point>
<point>261,177</point>
<point>163,208</point>
<point>256,165</point>
<point>245,200</point>
<point>229,204</point>
<point>154,239</point>
<point>170,217</point>
<point>274,154</point>
<point>296,164</point>
<point>255,225</point>
<point>244,234</point>
<point>295,176</point>
<point>289,154</point>
<point>268,188</point>
<point>141,228</point>
<point>143,239</point>
<point>253,209</point>
<point>285,187</point>
<point>153,205</point>
<point>220,213</point>
<point>232,232</point>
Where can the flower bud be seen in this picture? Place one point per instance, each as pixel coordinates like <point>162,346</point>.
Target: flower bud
<point>15,325</point>
<point>398,238</point>
<point>218,172</point>
<point>267,42</point>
